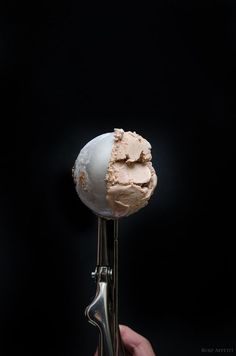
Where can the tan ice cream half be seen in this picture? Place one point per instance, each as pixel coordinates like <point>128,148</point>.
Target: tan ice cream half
<point>130,178</point>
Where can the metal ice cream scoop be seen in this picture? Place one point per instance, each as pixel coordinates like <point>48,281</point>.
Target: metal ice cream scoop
<point>90,176</point>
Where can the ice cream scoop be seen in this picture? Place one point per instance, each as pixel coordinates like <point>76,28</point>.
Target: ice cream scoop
<point>113,174</point>
<point>114,177</point>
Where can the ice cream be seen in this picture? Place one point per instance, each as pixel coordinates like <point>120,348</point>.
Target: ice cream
<point>114,175</point>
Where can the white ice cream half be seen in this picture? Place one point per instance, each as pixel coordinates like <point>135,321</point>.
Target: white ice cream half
<point>90,173</point>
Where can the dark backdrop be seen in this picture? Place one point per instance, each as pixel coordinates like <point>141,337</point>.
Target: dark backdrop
<point>69,73</point>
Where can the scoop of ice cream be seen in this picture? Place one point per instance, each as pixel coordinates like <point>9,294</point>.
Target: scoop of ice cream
<point>113,174</point>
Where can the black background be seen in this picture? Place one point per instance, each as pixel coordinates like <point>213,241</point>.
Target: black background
<point>69,73</point>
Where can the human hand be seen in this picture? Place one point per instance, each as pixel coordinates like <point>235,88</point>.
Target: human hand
<point>134,343</point>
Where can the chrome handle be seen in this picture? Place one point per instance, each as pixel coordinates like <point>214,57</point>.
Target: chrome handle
<point>103,310</point>
<point>97,313</point>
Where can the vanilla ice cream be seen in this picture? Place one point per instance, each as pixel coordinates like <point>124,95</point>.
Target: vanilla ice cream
<point>114,175</point>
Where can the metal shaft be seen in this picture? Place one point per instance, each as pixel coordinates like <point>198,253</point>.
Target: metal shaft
<point>103,311</point>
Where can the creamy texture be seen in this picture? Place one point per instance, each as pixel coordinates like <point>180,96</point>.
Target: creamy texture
<point>130,177</point>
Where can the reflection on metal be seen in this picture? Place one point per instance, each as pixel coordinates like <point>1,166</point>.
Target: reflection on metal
<point>103,311</point>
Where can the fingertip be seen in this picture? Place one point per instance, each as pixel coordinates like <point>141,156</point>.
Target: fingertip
<point>134,341</point>
<point>123,327</point>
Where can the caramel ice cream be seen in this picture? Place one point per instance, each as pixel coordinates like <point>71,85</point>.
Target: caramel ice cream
<point>131,179</point>
<point>114,175</point>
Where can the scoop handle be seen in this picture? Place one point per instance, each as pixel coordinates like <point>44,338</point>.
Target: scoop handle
<point>103,310</point>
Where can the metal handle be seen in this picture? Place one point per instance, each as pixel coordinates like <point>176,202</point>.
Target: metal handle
<point>103,311</point>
